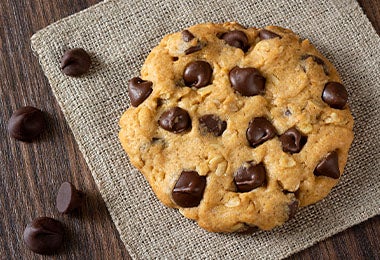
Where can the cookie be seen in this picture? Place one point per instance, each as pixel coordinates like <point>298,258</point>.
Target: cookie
<point>237,127</point>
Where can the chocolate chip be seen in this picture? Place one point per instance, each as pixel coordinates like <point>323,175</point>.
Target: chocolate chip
<point>192,49</point>
<point>259,130</point>
<point>248,230</point>
<point>197,74</point>
<point>317,60</point>
<point>236,39</point>
<point>335,95</point>
<point>328,166</point>
<point>247,81</point>
<point>44,235</point>
<point>265,34</point>
<point>26,123</point>
<point>68,198</point>
<point>188,191</point>
<point>175,120</point>
<point>75,62</point>
<point>293,208</point>
<point>292,140</point>
<point>187,36</point>
<point>249,177</point>
<point>139,90</point>
<point>212,124</point>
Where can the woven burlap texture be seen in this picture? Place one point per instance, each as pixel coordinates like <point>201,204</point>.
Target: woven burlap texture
<point>119,35</point>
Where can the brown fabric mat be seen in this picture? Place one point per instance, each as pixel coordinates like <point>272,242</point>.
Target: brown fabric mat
<point>119,34</point>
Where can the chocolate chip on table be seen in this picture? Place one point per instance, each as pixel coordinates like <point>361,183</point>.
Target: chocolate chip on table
<point>44,235</point>
<point>212,124</point>
<point>139,90</point>
<point>293,208</point>
<point>317,60</point>
<point>175,120</point>
<point>188,191</point>
<point>195,48</point>
<point>26,123</point>
<point>75,62</point>
<point>247,81</point>
<point>265,34</point>
<point>259,130</point>
<point>335,95</point>
<point>68,198</point>
<point>328,166</point>
<point>187,36</point>
<point>292,140</point>
<point>236,39</point>
<point>249,177</point>
<point>197,74</point>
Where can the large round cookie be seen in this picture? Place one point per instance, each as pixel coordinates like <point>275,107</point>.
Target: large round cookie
<point>237,127</point>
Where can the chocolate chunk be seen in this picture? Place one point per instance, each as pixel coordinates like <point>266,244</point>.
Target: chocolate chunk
<point>26,123</point>
<point>44,235</point>
<point>68,198</point>
<point>212,124</point>
<point>292,140</point>
<point>236,39</point>
<point>192,49</point>
<point>335,95</point>
<point>328,166</point>
<point>317,60</point>
<point>249,177</point>
<point>175,120</point>
<point>139,90</point>
<point>247,81</point>
<point>75,62</point>
<point>188,191</point>
<point>259,130</point>
<point>187,36</point>
<point>265,34</point>
<point>197,74</point>
<point>293,208</point>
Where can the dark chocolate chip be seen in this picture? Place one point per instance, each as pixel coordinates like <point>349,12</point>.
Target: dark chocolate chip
<point>197,74</point>
<point>328,166</point>
<point>26,123</point>
<point>192,49</point>
<point>68,198</point>
<point>265,34</point>
<point>293,208</point>
<point>175,120</point>
<point>260,130</point>
<point>139,90</point>
<point>236,39</point>
<point>187,36</point>
<point>335,95</point>
<point>212,124</point>
<point>188,191</point>
<point>249,177</point>
<point>247,81</point>
<point>75,62</point>
<point>292,140</point>
<point>317,60</point>
<point>44,235</point>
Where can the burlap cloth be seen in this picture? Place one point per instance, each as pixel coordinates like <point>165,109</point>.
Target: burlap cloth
<point>119,34</point>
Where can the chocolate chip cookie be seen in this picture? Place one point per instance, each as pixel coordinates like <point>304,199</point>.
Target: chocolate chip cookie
<point>237,127</point>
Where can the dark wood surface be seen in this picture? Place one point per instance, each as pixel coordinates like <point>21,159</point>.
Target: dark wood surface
<point>30,173</point>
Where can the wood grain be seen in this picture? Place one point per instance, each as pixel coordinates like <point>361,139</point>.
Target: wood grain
<point>32,172</point>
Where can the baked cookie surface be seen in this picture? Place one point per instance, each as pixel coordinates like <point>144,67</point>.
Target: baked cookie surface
<point>237,127</point>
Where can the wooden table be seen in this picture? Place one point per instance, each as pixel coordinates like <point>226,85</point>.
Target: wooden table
<point>31,173</point>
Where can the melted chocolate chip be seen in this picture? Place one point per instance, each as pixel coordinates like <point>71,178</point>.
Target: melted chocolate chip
<point>293,208</point>
<point>175,120</point>
<point>249,177</point>
<point>292,140</point>
<point>75,62</point>
<point>317,60</point>
<point>265,34</point>
<point>68,198</point>
<point>188,191</point>
<point>26,123</point>
<point>187,36</point>
<point>247,81</point>
<point>328,166</point>
<point>139,90</point>
<point>335,95</point>
<point>195,48</point>
<point>212,124</point>
<point>44,235</point>
<point>236,39</point>
<point>259,130</point>
<point>197,74</point>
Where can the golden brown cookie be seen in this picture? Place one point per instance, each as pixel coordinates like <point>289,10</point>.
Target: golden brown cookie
<point>237,127</point>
